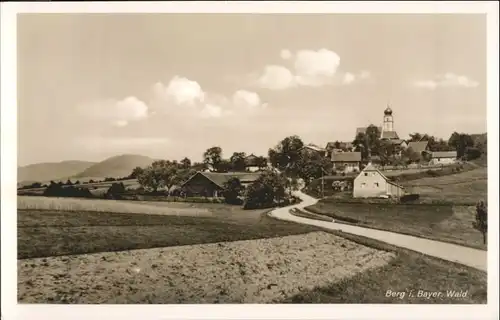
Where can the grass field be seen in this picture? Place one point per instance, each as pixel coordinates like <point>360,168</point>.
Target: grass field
<point>437,222</point>
<point>409,272</point>
<point>463,187</point>
<point>100,205</point>
<point>54,233</point>
<point>71,235</point>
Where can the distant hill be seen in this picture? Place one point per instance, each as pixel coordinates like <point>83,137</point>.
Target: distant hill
<point>115,167</point>
<point>50,171</point>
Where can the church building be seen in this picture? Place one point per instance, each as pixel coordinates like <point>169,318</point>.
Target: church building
<point>388,132</point>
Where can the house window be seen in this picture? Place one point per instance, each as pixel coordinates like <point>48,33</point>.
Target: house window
<point>366,174</point>
<point>376,184</point>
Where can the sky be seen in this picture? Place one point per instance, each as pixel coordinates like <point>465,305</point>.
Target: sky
<point>91,86</point>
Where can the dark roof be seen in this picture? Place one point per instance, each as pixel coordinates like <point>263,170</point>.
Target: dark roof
<point>251,160</point>
<point>389,135</point>
<point>418,146</point>
<point>313,147</point>
<point>346,157</point>
<point>220,178</point>
<point>363,130</point>
<point>396,141</point>
<point>342,145</point>
<point>444,154</point>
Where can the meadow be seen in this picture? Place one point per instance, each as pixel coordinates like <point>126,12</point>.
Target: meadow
<point>444,212</point>
<point>461,188</point>
<point>75,256</point>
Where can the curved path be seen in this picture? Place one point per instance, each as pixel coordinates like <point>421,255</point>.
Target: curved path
<point>467,256</point>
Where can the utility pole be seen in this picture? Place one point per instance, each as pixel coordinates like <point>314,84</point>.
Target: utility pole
<point>322,183</point>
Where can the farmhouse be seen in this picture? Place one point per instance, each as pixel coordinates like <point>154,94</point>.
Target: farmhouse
<point>443,157</point>
<point>371,183</point>
<point>211,184</point>
<point>346,161</point>
<point>252,163</point>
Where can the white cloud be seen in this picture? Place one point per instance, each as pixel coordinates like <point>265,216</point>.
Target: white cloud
<point>181,91</point>
<point>311,68</point>
<point>118,113</point>
<point>207,105</point>
<point>349,78</point>
<point>315,67</point>
<point>447,80</point>
<point>243,98</point>
<point>211,111</point>
<point>276,78</point>
<point>285,54</point>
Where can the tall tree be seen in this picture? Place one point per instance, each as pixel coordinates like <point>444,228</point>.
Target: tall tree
<point>387,153</point>
<point>232,190</point>
<point>213,157</point>
<point>373,139</point>
<point>267,190</point>
<point>261,162</point>
<point>286,155</point>
<point>481,222</point>
<point>186,163</point>
<point>360,144</point>
<point>161,173</point>
<point>223,166</point>
<point>313,166</point>
<point>238,161</point>
<point>460,142</point>
<point>136,172</point>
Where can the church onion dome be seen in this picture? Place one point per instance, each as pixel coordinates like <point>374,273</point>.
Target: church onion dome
<point>388,111</point>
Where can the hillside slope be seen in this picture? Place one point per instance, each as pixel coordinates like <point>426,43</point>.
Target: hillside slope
<point>115,167</point>
<point>51,171</point>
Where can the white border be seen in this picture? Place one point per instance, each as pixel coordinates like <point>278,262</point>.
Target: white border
<point>10,309</point>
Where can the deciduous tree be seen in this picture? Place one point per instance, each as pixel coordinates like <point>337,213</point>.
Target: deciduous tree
<point>213,157</point>
<point>238,161</point>
<point>286,155</point>
<point>481,222</point>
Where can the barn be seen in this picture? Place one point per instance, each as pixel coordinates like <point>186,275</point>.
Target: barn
<point>443,157</point>
<point>211,184</point>
<point>371,183</point>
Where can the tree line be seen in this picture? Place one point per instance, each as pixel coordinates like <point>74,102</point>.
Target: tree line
<point>370,144</point>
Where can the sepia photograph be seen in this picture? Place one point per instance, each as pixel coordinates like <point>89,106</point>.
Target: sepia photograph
<point>194,158</point>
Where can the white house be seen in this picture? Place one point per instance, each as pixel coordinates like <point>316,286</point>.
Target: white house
<point>371,183</point>
<point>443,157</point>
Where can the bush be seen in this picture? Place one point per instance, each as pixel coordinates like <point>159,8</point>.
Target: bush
<point>115,191</point>
<point>409,197</point>
<point>57,190</point>
<point>432,173</point>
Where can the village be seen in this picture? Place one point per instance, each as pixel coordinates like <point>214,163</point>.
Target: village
<point>350,165</point>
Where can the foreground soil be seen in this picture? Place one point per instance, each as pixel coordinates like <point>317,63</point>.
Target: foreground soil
<point>254,271</point>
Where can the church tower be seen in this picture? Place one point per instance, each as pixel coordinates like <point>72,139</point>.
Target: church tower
<point>388,120</point>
